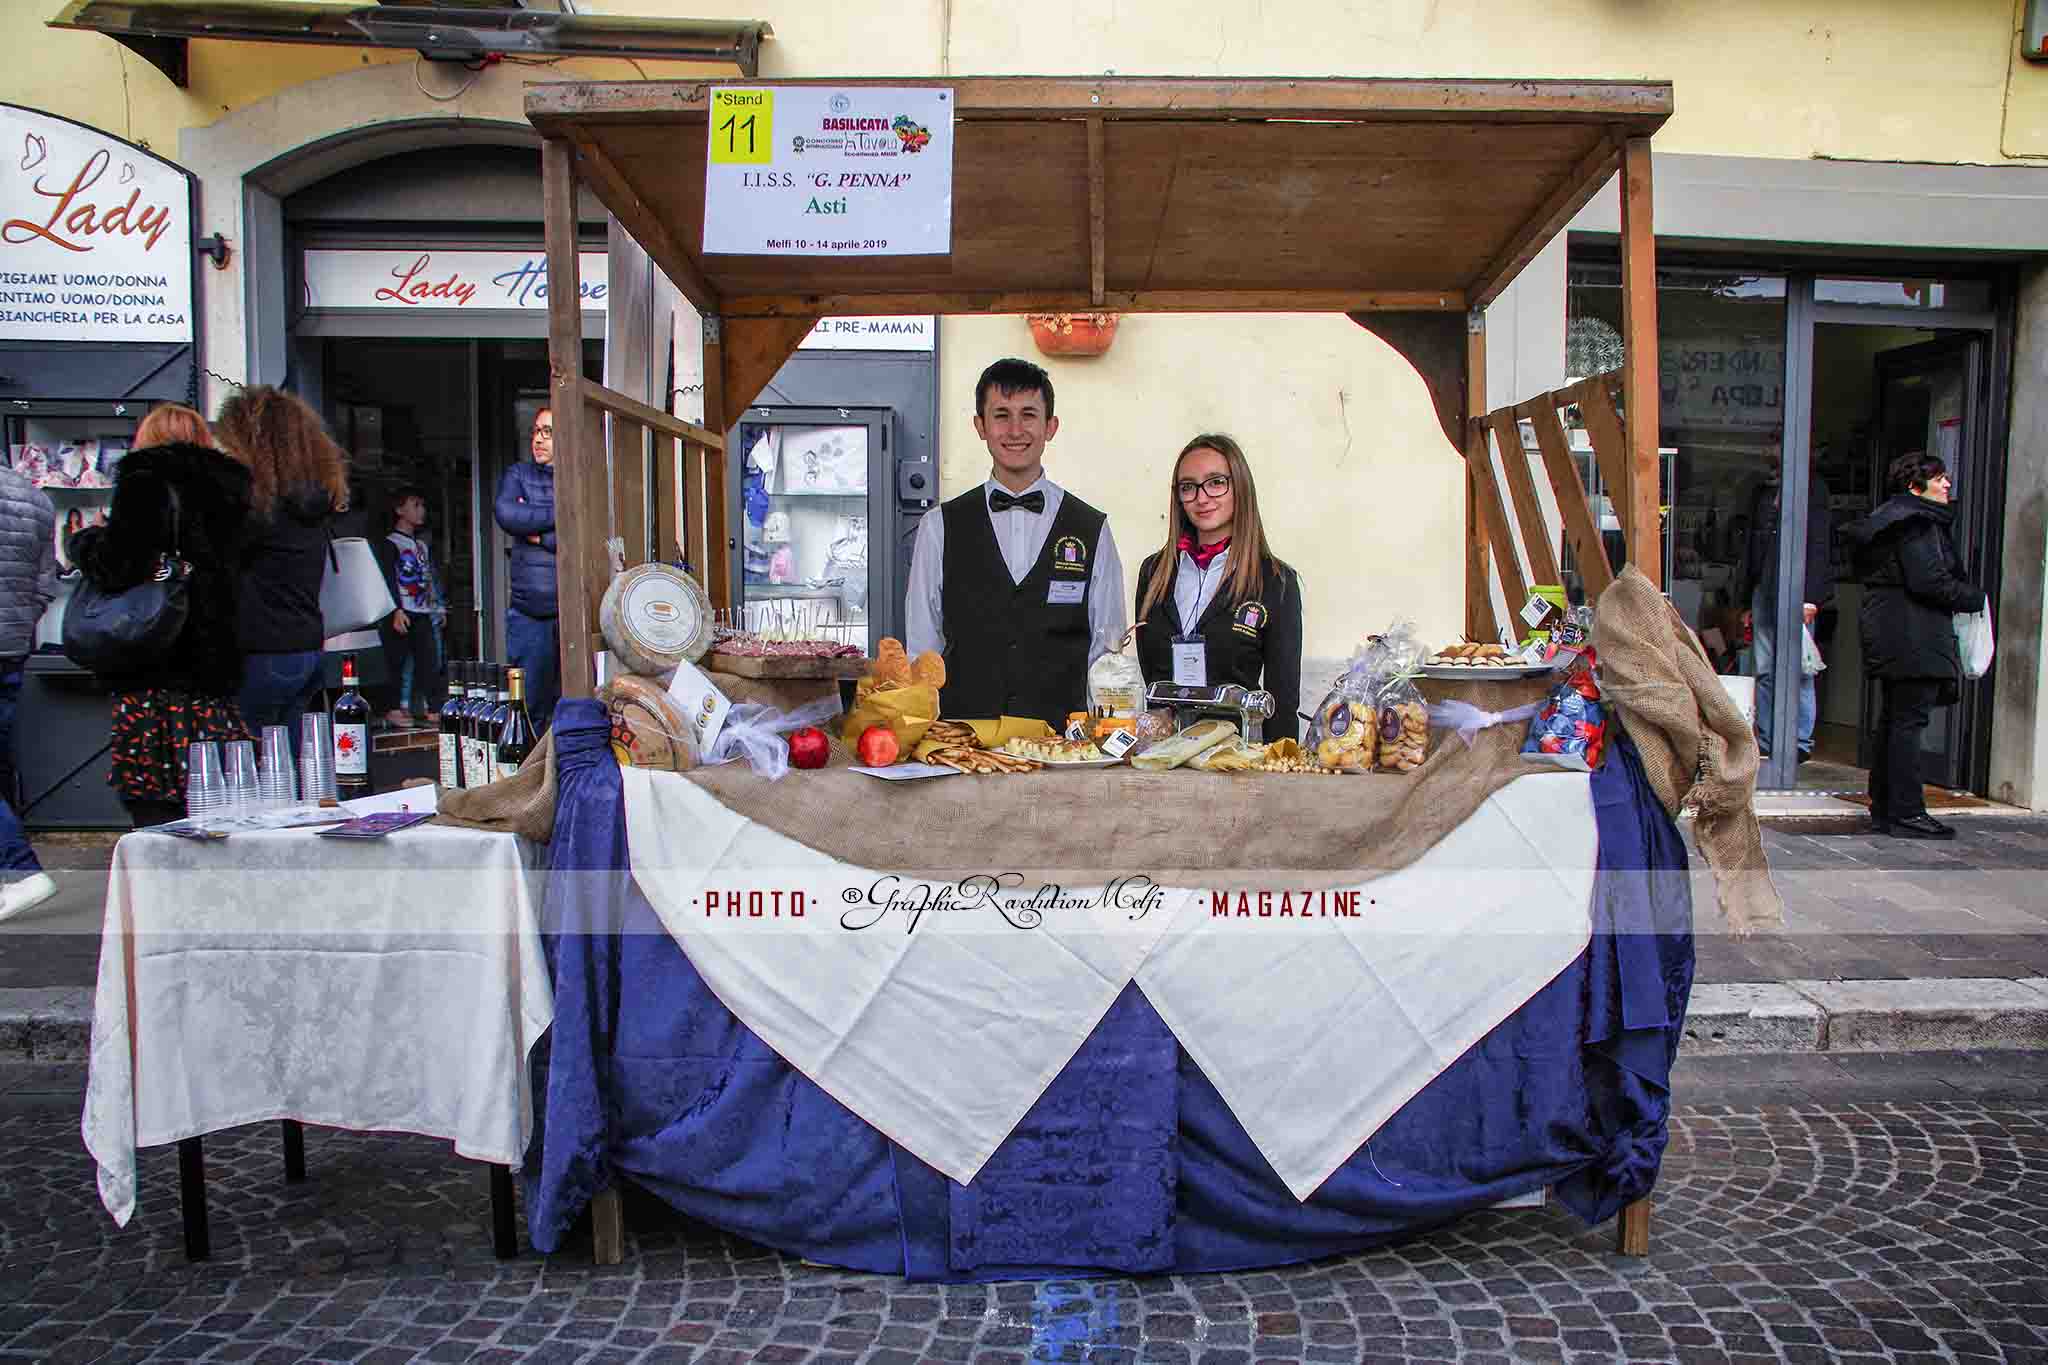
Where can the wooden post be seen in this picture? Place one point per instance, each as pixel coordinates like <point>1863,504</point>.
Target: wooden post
<point>1639,360</point>
<point>192,1198</point>
<point>607,1227</point>
<point>629,487</point>
<point>578,460</point>
<point>504,1229</point>
<point>668,473</point>
<point>1479,620</point>
<point>1632,1229</point>
<point>294,1134</point>
<point>706,494</point>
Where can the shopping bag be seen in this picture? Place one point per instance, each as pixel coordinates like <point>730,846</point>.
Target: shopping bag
<point>1974,643</point>
<point>353,593</point>
<point>1810,661</point>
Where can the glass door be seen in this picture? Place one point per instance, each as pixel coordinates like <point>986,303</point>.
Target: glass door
<point>1928,400</point>
<point>811,554</point>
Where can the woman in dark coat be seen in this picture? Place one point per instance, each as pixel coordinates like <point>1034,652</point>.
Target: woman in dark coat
<point>189,695</point>
<point>1913,586</point>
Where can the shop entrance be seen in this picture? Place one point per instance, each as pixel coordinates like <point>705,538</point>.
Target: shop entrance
<point>446,417</point>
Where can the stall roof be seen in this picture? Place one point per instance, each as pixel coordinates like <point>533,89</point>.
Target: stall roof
<point>1144,194</point>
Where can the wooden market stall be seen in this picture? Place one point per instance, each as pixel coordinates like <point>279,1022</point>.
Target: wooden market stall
<point>1407,205</point>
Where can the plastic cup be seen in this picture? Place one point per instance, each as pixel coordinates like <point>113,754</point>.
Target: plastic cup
<point>277,777</point>
<point>239,767</point>
<point>316,757</point>
<point>205,785</point>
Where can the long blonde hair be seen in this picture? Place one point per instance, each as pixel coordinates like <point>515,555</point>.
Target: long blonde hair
<point>1248,553</point>
<point>284,443</point>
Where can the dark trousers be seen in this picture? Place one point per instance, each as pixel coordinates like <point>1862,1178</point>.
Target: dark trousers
<point>535,645</point>
<point>1904,707</point>
<point>277,688</point>
<point>420,646</point>
<point>15,853</point>
<point>147,813</point>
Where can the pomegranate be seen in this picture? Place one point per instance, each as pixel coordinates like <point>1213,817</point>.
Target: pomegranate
<point>878,747</point>
<point>808,748</point>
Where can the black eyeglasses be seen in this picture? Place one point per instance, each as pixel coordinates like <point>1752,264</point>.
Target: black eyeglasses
<point>1216,485</point>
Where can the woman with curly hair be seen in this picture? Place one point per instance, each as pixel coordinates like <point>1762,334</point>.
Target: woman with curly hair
<point>299,481</point>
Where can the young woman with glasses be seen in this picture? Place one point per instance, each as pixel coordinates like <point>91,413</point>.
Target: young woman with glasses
<point>1214,605</point>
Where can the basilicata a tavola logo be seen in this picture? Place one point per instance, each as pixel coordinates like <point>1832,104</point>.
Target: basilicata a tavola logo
<point>912,134</point>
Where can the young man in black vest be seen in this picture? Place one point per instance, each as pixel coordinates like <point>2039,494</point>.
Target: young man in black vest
<point>1016,581</point>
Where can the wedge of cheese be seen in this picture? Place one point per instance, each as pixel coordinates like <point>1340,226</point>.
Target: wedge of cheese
<point>1180,748</point>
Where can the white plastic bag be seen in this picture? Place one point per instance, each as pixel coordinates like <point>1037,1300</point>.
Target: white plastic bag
<point>755,732</point>
<point>1810,661</point>
<point>1974,642</point>
<point>1466,720</point>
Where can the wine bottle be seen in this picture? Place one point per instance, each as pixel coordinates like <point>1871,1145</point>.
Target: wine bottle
<point>494,722</point>
<point>515,736</point>
<point>475,770</point>
<point>451,753</point>
<point>351,735</point>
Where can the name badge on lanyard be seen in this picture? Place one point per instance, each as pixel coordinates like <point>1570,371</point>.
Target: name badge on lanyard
<point>1190,662</point>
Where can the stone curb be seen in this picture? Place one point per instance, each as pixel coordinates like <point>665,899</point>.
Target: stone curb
<point>1924,1014</point>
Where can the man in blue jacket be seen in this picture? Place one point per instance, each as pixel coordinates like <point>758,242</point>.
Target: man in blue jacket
<point>526,509</point>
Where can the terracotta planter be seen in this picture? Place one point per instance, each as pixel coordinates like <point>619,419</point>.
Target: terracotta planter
<point>1072,334</point>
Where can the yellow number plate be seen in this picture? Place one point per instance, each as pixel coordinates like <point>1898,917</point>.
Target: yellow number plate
<point>742,126</point>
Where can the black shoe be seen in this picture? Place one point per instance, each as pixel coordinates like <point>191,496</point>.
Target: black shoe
<point>1920,827</point>
<point>1880,825</point>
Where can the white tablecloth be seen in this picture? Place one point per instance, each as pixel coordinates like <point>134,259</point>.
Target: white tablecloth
<point>942,1030</point>
<point>391,985</point>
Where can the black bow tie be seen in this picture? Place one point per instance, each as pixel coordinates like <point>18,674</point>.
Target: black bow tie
<point>999,501</point>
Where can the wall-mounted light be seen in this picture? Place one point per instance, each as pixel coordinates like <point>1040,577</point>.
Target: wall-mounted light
<point>215,249</point>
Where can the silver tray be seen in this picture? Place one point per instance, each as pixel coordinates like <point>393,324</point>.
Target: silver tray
<point>1485,672</point>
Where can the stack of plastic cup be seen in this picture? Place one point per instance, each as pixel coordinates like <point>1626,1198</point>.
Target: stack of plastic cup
<point>206,787</point>
<point>239,763</point>
<point>277,778</point>
<point>316,757</point>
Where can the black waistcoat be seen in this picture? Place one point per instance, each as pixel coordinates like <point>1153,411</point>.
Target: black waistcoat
<point>1235,635</point>
<point>1008,650</point>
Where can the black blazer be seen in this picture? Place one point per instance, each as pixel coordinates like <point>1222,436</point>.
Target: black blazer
<point>1254,643</point>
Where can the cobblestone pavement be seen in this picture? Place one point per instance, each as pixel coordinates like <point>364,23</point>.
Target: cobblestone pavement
<point>1910,1231</point>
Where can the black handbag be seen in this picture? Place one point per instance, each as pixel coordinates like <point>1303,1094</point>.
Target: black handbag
<point>131,631</point>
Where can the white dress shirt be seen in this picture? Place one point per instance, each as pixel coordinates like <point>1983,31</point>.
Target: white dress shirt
<point>1194,589</point>
<point>1020,534</point>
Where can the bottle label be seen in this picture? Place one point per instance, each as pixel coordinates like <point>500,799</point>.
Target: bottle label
<point>475,763</point>
<point>351,751</point>
<point>451,764</point>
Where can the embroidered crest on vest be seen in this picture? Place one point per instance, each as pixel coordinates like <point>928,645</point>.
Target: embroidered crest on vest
<point>1069,556</point>
<point>1250,619</point>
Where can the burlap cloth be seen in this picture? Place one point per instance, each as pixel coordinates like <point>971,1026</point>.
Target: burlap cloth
<point>1697,749</point>
<point>1183,828</point>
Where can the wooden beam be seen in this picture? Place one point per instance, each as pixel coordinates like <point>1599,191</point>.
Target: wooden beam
<point>616,193</point>
<point>1098,211</point>
<point>1493,516</point>
<point>1434,345</point>
<point>1570,490</point>
<point>607,1227</point>
<point>629,487</point>
<point>1514,466</point>
<point>1573,193</point>
<point>755,348</point>
<point>1480,624</point>
<point>1638,105</point>
<point>714,561</point>
<point>668,474</point>
<point>1610,448</point>
<point>1632,1229</point>
<point>1639,360</point>
<point>579,461</point>
<point>1082,300</point>
<point>633,410</point>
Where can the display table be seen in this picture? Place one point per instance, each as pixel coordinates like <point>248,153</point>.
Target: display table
<point>1182,1094</point>
<point>393,985</point>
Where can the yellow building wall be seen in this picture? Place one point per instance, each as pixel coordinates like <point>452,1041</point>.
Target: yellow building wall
<point>1362,492</point>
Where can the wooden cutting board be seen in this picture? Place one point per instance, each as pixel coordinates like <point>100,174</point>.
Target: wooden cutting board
<point>777,666</point>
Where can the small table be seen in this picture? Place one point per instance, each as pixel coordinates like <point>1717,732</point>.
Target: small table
<point>390,985</point>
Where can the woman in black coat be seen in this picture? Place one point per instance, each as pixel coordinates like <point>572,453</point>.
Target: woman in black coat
<point>1913,586</point>
<point>189,695</point>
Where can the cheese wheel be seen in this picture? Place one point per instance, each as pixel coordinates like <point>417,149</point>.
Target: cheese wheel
<point>655,616</point>
<point>648,729</point>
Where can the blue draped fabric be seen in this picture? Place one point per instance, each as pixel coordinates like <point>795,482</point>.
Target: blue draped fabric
<point>1130,1161</point>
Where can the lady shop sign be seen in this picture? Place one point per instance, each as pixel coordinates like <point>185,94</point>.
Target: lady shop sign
<point>415,278</point>
<point>95,236</point>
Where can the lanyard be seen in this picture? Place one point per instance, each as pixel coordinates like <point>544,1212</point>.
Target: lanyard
<point>1188,629</point>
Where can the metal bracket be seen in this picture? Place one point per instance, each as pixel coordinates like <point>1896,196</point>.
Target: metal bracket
<point>1475,321</point>
<point>713,330</point>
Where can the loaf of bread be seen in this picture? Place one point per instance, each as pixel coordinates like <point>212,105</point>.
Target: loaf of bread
<point>1178,749</point>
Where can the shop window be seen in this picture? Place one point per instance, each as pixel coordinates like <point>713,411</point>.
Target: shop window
<point>1962,296</point>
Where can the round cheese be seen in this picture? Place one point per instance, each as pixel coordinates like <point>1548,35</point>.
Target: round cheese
<point>648,729</point>
<point>655,616</point>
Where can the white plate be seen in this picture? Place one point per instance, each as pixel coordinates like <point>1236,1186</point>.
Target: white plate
<point>1066,763</point>
<point>1485,671</point>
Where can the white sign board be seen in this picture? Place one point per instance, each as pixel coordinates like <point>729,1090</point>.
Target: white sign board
<point>816,171</point>
<point>412,277</point>
<point>914,332</point>
<point>95,236</point>
<point>1721,383</point>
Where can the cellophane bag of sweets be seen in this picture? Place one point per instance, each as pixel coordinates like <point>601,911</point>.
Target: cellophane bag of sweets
<point>1402,711</point>
<point>1345,731</point>
<point>1571,729</point>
